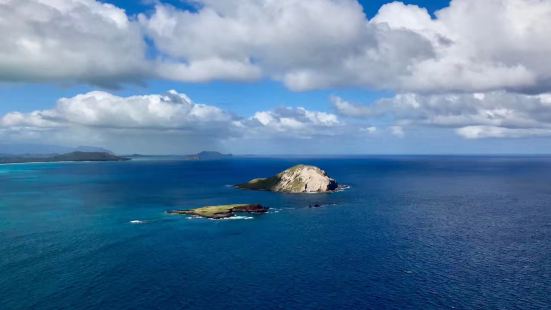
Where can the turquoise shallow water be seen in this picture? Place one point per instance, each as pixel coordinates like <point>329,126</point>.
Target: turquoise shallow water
<point>411,232</point>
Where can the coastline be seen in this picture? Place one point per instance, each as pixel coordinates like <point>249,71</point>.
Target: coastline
<point>63,162</point>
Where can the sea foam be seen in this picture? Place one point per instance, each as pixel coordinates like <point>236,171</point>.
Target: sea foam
<point>238,217</point>
<point>342,188</point>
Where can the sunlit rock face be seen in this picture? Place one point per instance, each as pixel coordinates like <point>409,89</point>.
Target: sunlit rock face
<point>297,179</point>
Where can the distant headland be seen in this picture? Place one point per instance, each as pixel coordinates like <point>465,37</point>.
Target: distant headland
<point>72,156</point>
<point>208,155</point>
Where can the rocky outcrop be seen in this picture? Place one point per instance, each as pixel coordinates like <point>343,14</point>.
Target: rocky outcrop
<point>297,179</point>
<point>222,211</point>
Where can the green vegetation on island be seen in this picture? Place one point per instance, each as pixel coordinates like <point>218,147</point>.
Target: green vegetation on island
<point>260,184</point>
<point>222,211</point>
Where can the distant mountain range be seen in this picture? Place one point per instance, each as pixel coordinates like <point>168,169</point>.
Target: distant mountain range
<point>22,153</point>
<point>72,156</point>
<point>45,149</point>
<point>208,155</point>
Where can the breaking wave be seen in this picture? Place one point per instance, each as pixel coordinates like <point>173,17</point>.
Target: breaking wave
<point>342,188</point>
<point>237,217</point>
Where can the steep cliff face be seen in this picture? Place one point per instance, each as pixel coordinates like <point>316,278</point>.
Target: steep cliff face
<point>297,179</point>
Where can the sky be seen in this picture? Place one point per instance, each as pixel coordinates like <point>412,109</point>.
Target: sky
<point>278,77</point>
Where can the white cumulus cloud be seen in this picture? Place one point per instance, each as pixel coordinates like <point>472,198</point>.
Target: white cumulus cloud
<point>480,132</point>
<point>480,115</point>
<point>297,122</point>
<point>158,123</point>
<point>104,110</point>
<point>305,44</point>
<point>479,45</point>
<point>77,41</point>
<point>470,46</point>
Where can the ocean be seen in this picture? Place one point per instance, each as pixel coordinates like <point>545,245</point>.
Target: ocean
<point>410,232</point>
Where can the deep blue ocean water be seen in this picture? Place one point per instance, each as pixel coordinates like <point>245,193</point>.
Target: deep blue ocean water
<point>410,233</point>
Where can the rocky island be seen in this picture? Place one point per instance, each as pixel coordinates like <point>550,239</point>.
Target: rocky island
<point>297,179</point>
<point>222,211</point>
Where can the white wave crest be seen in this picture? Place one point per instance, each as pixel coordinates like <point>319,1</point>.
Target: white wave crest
<point>238,217</point>
<point>342,188</point>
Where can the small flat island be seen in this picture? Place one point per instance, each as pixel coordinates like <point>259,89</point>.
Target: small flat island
<point>222,211</point>
<point>297,179</point>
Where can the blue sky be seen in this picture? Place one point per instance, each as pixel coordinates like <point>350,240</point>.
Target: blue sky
<point>261,76</point>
